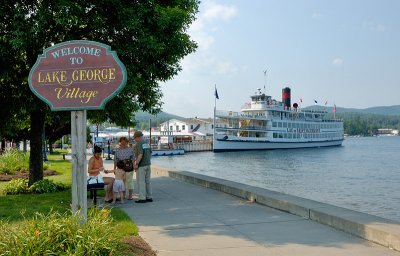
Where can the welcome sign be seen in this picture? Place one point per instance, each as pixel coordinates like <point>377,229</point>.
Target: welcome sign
<point>77,75</point>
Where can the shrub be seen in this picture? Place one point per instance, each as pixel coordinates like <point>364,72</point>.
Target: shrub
<point>13,160</point>
<point>46,186</point>
<point>20,186</point>
<point>61,234</point>
<point>16,186</point>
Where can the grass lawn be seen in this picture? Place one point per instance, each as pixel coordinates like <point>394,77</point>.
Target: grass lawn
<point>14,208</point>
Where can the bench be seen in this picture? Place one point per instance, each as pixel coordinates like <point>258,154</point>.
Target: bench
<point>93,194</point>
<point>93,187</point>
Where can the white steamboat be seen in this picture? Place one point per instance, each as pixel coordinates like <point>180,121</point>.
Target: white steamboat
<point>265,123</point>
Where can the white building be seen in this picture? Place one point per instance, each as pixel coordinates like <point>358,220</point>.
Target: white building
<point>198,129</point>
<point>385,131</point>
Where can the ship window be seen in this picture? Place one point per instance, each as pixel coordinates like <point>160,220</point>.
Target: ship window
<point>275,135</point>
<point>290,135</point>
<point>171,128</point>
<point>284,125</point>
<point>191,127</point>
<point>280,124</point>
<point>280,135</point>
<point>183,127</point>
<point>273,124</point>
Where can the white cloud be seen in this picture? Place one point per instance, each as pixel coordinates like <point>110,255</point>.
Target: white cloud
<point>199,34</point>
<point>225,67</point>
<point>317,15</point>
<point>214,10</point>
<point>203,31</point>
<point>374,27</point>
<point>337,62</point>
<point>378,28</point>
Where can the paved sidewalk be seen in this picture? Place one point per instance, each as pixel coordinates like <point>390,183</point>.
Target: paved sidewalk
<point>185,219</point>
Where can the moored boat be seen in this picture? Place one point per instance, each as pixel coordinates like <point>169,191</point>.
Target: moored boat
<point>265,123</point>
<point>167,152</point>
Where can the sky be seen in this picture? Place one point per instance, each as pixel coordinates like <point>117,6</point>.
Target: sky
<point>338,52</point>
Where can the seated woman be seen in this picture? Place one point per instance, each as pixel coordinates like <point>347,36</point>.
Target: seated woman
<point>95,167</point>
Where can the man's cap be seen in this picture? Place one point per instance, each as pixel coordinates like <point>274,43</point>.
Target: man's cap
<point>137,134</point>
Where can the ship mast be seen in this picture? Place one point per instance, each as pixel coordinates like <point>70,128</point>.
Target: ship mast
<point>265,79</point>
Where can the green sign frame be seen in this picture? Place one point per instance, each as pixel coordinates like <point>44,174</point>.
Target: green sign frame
<point>77,75</point>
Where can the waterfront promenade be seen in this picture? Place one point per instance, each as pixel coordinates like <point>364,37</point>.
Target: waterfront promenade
<point>186,219</point>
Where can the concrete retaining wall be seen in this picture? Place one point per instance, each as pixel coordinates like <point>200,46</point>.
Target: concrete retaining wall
<point>379,230</point>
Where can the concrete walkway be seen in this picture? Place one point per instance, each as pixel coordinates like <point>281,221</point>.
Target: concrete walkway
<point>185,219</point>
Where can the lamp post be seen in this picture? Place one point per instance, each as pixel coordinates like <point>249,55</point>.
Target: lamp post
<point>44,146</point>
<point>108,157</point>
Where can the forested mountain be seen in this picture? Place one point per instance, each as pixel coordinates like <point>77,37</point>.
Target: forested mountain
<point>143,119</point>
<point>365,121</point>
<point>356,121</point>
<point>382,110</point>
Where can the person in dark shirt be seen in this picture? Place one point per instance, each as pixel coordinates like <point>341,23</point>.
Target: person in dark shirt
<point>142,166</point>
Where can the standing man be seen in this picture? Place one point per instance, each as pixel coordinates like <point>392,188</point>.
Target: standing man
<point>142,167</point>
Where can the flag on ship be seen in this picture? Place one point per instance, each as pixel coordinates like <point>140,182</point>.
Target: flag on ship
<point>216,93</point>
<point>315,101</point>
<point>334,108</point>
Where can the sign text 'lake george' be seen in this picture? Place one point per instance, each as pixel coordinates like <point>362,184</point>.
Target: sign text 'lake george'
<point>77,75</point>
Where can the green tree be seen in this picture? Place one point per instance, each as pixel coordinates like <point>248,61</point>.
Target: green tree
<point>150,37</point>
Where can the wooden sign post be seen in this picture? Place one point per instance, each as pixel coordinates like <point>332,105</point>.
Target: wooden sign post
<point>79,167</point>
<point>78,76</point>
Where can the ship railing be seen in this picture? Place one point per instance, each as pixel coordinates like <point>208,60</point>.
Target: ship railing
<point>253,127</point>
<point>226,113</point>
<point>223,114</point>
<point>260,106</point>
<point>332,120</point>
<point>248,127</point>
<point>257,116</point>
<point>227,126</point>
<point>314,111</point>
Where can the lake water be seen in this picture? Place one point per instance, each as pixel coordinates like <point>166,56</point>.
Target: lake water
<point>362,175</point>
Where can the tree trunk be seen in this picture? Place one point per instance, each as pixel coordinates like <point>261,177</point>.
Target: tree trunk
<point>36,144</point>
<point>51,142</point>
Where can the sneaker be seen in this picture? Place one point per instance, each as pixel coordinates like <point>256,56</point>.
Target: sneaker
<point>149,200</point>
<point>140,201</point>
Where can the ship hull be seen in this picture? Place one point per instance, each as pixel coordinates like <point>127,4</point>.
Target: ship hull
<point>235,145</point>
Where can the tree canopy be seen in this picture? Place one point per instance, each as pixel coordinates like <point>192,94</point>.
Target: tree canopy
<point>150,38</point>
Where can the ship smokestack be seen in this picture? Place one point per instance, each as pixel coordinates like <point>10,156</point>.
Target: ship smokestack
<point>286,97</point>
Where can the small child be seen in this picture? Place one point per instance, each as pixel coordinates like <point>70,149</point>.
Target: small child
<point>119,181</point>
